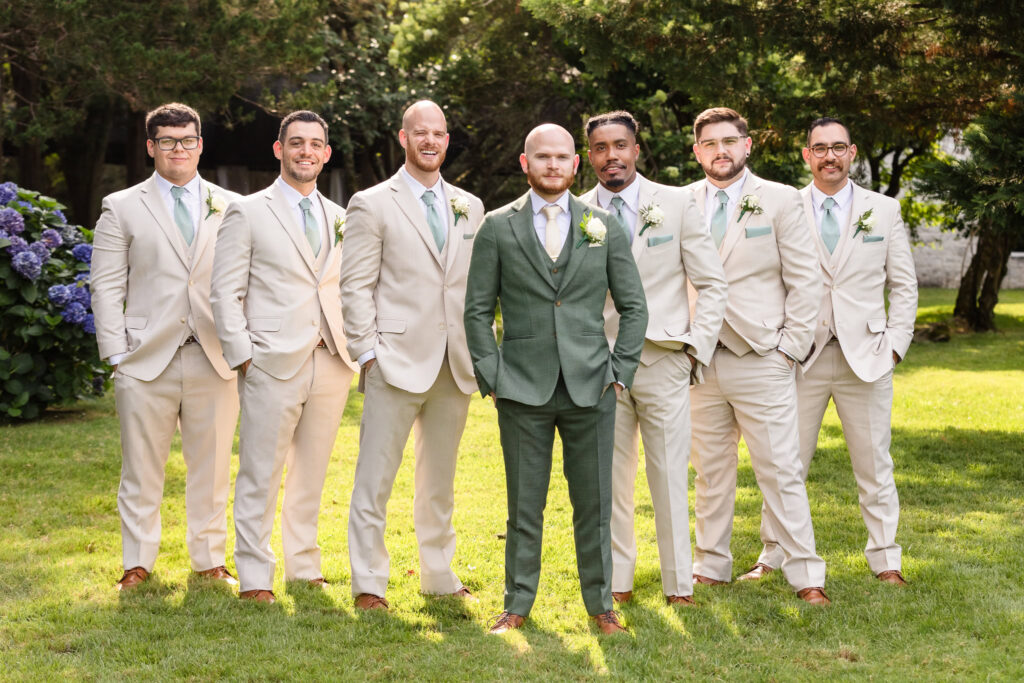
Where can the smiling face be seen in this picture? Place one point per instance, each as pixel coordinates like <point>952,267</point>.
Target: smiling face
<point>549,161</point>
<point>722,152</point>
<point>613,153</point>
<point>177,165</point>
<point>424,137</point>
<point>303,154</point>
<point>831,170</point>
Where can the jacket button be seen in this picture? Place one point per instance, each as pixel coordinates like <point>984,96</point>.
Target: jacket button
<point>554,270</point>
<point>313,323</point>
<point>440,326</point>
<point>191,282</point>
<point>558,303</point>
<point>181,320</point>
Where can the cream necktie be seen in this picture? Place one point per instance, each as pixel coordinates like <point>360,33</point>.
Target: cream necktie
<point>552,235</point>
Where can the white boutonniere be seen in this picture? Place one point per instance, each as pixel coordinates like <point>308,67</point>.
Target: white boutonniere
<point>652,216</point>
<point>594,230</point>
<point>460,208</point>
<point>750,204</point>
<point>338,234</point>
<point>214,204</point>
<point>865,223</point>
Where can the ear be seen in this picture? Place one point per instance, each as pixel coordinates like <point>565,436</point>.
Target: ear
<point>151,147</point>
<point>575,163</point>
<point>806,154</point>
<point>403,139</point>
<point>853,151</point>
<point>277,149</point>
<point>524,163</point>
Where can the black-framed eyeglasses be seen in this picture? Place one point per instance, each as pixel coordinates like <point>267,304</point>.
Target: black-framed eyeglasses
<point>167,144</point>
<point>839,149</point>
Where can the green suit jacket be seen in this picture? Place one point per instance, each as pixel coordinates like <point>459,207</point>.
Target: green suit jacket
<point>548,328</point>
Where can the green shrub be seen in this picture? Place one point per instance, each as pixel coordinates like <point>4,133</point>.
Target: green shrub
<point>48,349</point>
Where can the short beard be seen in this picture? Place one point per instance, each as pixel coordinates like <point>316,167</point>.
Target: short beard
<point>735,170</point>
<point>539,188</point>
<point>615,182</point>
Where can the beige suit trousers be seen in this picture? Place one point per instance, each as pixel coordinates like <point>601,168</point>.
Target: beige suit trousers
<point>865,411</point>
<point>753,396</point>
<point>438,417</point>
<point>286,424</point>
<point>188,392</point>
<point>656,408</point>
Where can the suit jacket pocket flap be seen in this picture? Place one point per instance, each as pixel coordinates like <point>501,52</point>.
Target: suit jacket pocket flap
<point>135,322</point>
<point>390,325</point>
<point>264,324</point>
<point>876,325</point>
<point>758,231</point>
<point>873,238</point>
<point>655,240</point>
<point>678,328</point>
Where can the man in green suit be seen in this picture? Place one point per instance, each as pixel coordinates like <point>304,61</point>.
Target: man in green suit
<point>550,260</point>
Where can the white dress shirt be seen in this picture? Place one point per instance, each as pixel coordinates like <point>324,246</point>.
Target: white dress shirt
<point>293,197</point>
<point>841,211</point>
<point>735,191</point>
<point>540,221</point>
<point>630,207</point>
<point>193,199</point>
<point>440,203</point>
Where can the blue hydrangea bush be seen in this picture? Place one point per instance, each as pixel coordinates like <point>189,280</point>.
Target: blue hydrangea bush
<point>47,345</point>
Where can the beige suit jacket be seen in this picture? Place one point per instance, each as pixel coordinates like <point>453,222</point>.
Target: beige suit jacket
<point>145,286</point>
<point>666,256</point>
<point>772,270</point>
<point>856,276</point>
<point>268,293</point>
<point>403,299</point>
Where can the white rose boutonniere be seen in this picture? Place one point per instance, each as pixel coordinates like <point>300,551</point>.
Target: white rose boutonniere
<point>338,234</point>
<point>594,230</point>
<point>750,204</point>
<point>460,207</point>
<point>652,216</point>
<point>214,204</point>
<point>865,223</point>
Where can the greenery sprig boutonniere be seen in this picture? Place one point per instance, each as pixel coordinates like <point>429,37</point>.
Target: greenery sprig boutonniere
<point>652,216</point>
<point>594,230</point>
<point>338,234</point>
<point>460,207</point>
<point>214,204</point>
<point>750,204</point>
<point>865,223</point>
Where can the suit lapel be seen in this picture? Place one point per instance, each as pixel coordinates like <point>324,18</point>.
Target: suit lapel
<point>736,229</point>
<point>332,214</point>
<point>859,203</point>
<point>278,206</point>
<point>209,222</point>
<point>646,197</point>
<point>409,205</point>
<point>454,241</point>
<point>522,229</point>
<point>576,256</point>
<point>824,257</point>
<point>155,205</point>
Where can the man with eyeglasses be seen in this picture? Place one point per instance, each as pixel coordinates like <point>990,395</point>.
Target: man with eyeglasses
<point>750,385</point>
<point>276,301</point>
<point>152,259</point>
<point>863,251</point>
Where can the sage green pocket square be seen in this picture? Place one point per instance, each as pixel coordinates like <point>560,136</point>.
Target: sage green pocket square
<point>468,235</point>
<point>655,240</point>
<point>757,232</point>
<point>873,238</point>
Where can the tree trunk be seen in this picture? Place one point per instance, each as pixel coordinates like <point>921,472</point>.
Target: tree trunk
<point>82,160</point>
<point>979,288</point>
<point>135,149</point>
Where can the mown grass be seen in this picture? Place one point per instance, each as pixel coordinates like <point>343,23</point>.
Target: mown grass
<point>959,455</point>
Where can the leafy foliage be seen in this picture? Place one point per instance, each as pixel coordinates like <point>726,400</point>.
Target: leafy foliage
<point>48,352</point>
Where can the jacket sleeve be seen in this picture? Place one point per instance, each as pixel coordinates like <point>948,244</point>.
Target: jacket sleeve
<point>482,287</point>
<point>230,283</point>
<point>627,293</point>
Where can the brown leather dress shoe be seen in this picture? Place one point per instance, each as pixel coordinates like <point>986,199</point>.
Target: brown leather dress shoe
<point>505,622</point>
<point>258,595</point>
<point>609,623</point>
<point>757,572</point>
<point>814,596</point>
<point>132,578</point>
<point>707,580</point>
<point>892,576</point>
<point>368,601</point>
<point>318,583</point>
<point>219,574</point>
<point>680,600</point>
<point>624,596</point>
<point>464,594</point>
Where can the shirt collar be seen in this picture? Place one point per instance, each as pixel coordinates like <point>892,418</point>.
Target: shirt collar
<point>734,190</point>
<point>539,202</point>
<point>419,188</point>
<point>192,186</point>
<point>841,198</point>
<point>293,196</point>
<point>630,195</point>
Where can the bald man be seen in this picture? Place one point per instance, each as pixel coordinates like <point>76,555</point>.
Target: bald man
<point>408,242</point>
<point>549,260</point>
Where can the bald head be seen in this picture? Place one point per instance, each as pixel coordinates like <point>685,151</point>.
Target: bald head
<point>424,137</point>
<point>549,160</point>
<point>419,109</point>
<point>549,135</point>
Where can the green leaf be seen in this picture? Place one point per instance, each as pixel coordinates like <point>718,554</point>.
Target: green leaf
<point>21,364</point>
<point>14,386</point>
<point>30,292</point>
<point>53,320</point>
<point>14,412</point>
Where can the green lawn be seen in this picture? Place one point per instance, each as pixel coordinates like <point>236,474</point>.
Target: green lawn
<point>959,452</point>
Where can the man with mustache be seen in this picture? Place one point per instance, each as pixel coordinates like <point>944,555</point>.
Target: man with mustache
<point>408,242</point>
<point>550,260</point>
<point>275,301</point>
<point>670,244</point>
<point>863,250</point>
<point>750,386</point>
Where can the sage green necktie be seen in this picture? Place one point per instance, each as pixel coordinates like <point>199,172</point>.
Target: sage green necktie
<point>617,202</point>
<point>181,215</point>
<point>829,225</point>
<point>433,218</point>
<point>309,225</point>
<point>720,219</point>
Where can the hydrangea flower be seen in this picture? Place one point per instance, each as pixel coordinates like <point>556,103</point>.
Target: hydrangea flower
<point>27,264</point>
<point>82,252</point>
<point>70,235</point>
<point>60,216</point>
<point>8,191</point>
<point>82,277</point>
<point>59,295</point>
<point>41,250</point>
<point>11,221</point>
<point>74,313</point>
<point>81,295</point>
<point>89,324</point>
<point>51,238</point>
<point>17,246</point>
<point>3,234</point>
